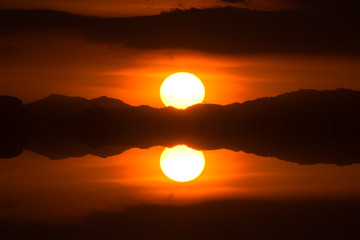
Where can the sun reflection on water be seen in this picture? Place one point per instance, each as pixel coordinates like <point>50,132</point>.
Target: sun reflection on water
<point>181,163</point>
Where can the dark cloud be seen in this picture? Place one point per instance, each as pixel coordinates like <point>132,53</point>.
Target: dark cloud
<point>224,30</point>
<point>326,5</point>
<point>236,1</point>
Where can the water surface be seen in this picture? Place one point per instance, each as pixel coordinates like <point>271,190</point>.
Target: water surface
<point>36,189</point>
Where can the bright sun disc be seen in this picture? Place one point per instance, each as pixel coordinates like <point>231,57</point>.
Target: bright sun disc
<point>181,163</point>
<point>182,90</point>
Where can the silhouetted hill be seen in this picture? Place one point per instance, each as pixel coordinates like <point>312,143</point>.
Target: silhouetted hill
<point>110,103</point>
<point>338,101</point>
<point>57,106</point>
<point>59,110</point>
<point>53,116</point>
<point>306,126</point>
<point>16,126</point>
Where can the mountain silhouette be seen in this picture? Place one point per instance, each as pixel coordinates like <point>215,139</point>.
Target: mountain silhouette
<point>16,126</point>
<point>306,126</point>
<point>59,109</point>
<point>110,103</point>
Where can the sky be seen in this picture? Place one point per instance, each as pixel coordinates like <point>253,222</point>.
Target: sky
<point>241,50</point>
<point>121,8</point>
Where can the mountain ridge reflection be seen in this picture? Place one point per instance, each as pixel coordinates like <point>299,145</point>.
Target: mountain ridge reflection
<point>306,127</point>
<point>128,195</point>
<point>302,150</point>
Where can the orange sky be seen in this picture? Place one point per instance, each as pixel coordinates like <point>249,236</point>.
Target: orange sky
<point>239,54</point>
<point>135,7</point>
<point>46,64</point>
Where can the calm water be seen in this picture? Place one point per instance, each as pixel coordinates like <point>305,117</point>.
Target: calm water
<point>38,192</point>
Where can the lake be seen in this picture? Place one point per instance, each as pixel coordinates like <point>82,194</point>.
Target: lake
<point>130,196</point>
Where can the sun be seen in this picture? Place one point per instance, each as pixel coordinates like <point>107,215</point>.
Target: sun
<point>181,90</point>
<point>181,163</point>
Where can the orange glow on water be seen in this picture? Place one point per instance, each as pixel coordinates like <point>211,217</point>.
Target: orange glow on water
<point>181,163</point>
<point>76,186</point>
